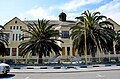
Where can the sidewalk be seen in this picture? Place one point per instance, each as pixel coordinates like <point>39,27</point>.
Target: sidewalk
<point>63,69</point>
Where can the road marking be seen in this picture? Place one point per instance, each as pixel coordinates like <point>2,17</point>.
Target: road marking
<point>98,75</point>
<point>27,78</point>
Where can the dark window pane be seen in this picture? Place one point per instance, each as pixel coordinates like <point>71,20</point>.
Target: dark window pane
<point>15,22</point>
<point>10,27</point>
<point>14,27</point>
<point>19,52</point>
<point>13,37</point>
<point>68,51</point>
<point>17,27</point>
<point>7,36</point>
<point>20,27</point>
<point>7,52</point>
<point>65,34</point>
<point>16,37</point>
<point>19,37</point>
<point>14,50</point>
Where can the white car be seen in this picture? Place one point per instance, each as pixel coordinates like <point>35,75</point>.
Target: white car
<point>4,68</point>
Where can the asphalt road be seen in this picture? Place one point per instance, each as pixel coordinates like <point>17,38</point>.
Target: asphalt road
<point>79,75</point>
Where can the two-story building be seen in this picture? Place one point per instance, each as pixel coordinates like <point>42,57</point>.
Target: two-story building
<point>14,33</point>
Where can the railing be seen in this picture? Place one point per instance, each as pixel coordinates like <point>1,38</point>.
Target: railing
<point>56,60</point>
<point>36,60</point>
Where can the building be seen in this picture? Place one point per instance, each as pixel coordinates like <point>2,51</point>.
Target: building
<point>14,33</point>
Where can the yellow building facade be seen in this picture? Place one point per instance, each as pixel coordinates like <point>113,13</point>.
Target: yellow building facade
<point>14,26</point>
<point>14,33</point>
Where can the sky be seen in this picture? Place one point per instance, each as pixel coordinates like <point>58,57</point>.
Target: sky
<point>50,9</point>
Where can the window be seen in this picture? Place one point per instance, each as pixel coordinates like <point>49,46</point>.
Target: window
<point>19,37</point>
<point>73,51</point>
<point>14,50</point>
<point>7,52</point>
<point>10,27</point>
<point>7,36</point>
<point>13,37</point>
<point>22,36</point>
<point>20,27</point>
<point>65,34</point>
<point>13,27</point>
<point>16,37</point>
<point>63,51</point>
<point>17,27</point>
<point>68,51</point>
<point>19,52</point>
<point>15,22</point>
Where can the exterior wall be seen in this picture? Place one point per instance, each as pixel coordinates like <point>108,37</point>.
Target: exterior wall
<point>67,49</point>
<point>116,26</point>
<point>13,28</point>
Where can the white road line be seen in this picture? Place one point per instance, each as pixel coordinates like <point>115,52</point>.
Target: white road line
<point>98,75</point>
<point>27,78</point>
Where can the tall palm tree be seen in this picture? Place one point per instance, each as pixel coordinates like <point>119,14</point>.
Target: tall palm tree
<point>3,41</point>
<point>89,34</point>
<point>117,41</point>
<point>40,40</point>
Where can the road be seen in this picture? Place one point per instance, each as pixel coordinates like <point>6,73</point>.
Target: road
<point>78,75</point>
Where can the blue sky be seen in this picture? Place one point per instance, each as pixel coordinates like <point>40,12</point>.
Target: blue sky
<point>50,9</point>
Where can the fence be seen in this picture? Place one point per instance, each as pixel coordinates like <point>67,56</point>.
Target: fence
<point>53,60</point>
<point>35,60</point>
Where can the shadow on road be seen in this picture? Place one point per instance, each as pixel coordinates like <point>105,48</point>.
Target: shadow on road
<point>6,76</point>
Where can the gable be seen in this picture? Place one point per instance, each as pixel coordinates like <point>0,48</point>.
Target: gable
<point>116,26</point>
<point>15,23</point>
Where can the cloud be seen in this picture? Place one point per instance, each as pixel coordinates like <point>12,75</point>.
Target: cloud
<point>71,16</point>
<point>71,8</point>
<point>73,5</point>
<point>111,10</point>
<point>41,12</point>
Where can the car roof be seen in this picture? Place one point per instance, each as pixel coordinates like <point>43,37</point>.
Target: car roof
<point>3,64</point>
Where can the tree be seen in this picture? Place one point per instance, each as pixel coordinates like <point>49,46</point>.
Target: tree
<point>40,39</point>
<point>117,41</point>
<point>3,41</point>
<point>92,33</point>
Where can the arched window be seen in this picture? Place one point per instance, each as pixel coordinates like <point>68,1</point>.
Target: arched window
<point>10,27</point>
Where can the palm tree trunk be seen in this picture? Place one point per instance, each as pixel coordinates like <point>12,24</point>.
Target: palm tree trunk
<point>85,51</point>
<point>114,43</point>
<point>40,59</point>
<point>98,51</point>
<point>109,56</point>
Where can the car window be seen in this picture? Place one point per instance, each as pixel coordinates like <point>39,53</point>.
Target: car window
<point>1,67</point>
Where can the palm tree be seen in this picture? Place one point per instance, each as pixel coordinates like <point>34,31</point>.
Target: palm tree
<point>89,35</point>
<point>3,41</point>
<point>117,42</point>
<point>2,49</point>
<point>40,40</point>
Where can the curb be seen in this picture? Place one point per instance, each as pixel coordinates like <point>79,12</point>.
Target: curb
<point>65,71</point>
<point>69,69</point>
